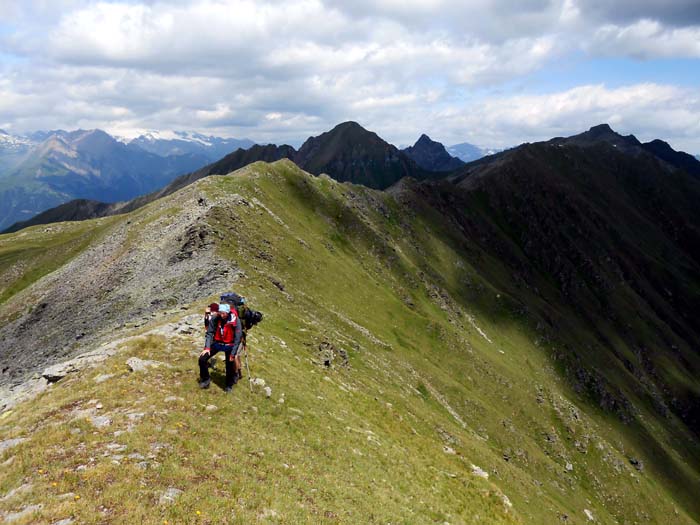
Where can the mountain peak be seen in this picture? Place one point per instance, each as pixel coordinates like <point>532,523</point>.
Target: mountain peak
<point>601,129</point>
<point>349,130</point>
<point>94,141</point>
<point>432,155</point>
<point>350,124</point>
<point>679,159</point>
<point>352,153</point>
<point>603,133</point>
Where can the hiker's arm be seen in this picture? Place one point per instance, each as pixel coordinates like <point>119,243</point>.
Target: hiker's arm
<point>210,333</point>
<point>237,336</point>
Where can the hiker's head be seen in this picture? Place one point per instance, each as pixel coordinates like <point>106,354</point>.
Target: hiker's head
<point>224,309</point>
<point>214,307</point>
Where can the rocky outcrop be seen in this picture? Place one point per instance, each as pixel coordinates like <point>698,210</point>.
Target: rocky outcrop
<point>137,265</point>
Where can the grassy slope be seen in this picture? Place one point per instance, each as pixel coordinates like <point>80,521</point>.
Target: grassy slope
<point>357,444</point>
<point>41,250</point>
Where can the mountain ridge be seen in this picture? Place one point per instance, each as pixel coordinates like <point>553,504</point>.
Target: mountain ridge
<point>167,144</point>
<point>47,168</point>
<point>87,164</point>
<point>595,135</point>
<point>348,152</point>
<point>461,354</point>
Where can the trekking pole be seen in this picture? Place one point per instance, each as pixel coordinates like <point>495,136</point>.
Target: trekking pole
<point>245,355</point>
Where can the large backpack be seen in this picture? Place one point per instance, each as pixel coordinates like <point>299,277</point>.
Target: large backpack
<point>249,317</point>
<point>232,298</point>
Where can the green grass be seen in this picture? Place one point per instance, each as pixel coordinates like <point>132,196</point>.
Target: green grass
<point>390,438</point>
<point>28,255</point>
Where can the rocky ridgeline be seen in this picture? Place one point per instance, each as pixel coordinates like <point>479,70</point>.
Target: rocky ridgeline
<point>139,266</point>
<point>12,395</point>
<point>186,326</point>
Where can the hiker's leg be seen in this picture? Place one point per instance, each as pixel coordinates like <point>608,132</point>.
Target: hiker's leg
<point>230,370</point>
<point>204,367</point>
<point>204,362</point>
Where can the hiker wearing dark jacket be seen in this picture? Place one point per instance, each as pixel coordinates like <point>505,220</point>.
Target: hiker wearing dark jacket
<point>223,335</point>
<point>211,311</point>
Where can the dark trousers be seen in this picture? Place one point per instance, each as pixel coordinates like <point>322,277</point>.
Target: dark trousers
<point>230,365</point>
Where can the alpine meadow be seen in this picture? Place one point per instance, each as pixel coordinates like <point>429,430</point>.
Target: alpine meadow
<point>487,311</point>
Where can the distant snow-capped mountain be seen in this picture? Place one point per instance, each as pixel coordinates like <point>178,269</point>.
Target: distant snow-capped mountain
<point>166,143</point>
<point>469,152</point>
<point>42,169</point>
<point>14,142</point>
<point>45,169</point>
<point>12,149</point>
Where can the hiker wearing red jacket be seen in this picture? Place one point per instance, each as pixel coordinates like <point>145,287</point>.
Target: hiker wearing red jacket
<point>223,335</point>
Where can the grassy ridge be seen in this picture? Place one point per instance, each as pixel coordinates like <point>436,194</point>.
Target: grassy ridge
<point>29,255</point>
<point>445,374</point>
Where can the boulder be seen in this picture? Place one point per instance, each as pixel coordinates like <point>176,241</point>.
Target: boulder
<point>100,421</point>
<point>60,370</point>
<point>9,443</point>
<point>26,511</point>
<point>478,471</point>
<point>140,365</point>
<point>169,496</point>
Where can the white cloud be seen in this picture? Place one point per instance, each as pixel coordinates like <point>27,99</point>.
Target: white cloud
<point>243,38</point>
<point>282,70</point>
<point>647,39</point>
<point>646,110</point>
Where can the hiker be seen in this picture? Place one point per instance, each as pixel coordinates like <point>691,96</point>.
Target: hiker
<point>211,311</point>
<point>247,318</point>
<point>223,335</point>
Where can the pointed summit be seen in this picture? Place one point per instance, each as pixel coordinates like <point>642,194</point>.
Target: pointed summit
<point>432,155</point>
<point>352,153</point>
<point>600,130</point>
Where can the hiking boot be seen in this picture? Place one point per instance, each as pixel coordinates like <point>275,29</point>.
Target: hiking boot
<point>205,384</point>
<point>228,389</point>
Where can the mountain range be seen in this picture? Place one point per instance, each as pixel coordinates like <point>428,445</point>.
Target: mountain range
<point>351,153</point>
<point>515,341</point>
<point>46,169</point>
<point>469,152</point>
<point>167,144</point>
<point>348,152</point>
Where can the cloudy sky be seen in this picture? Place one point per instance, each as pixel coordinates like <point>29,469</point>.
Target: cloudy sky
<point>491,72</point>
